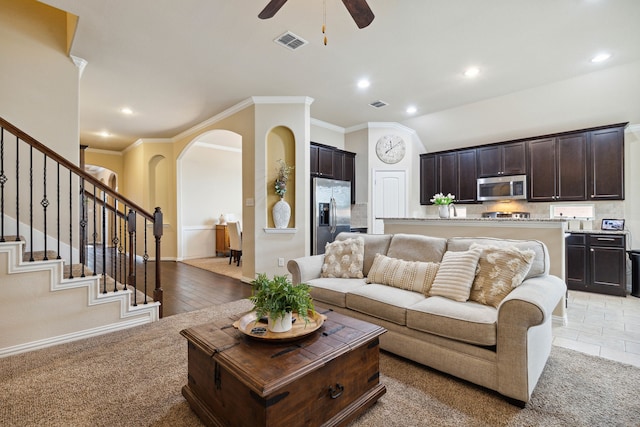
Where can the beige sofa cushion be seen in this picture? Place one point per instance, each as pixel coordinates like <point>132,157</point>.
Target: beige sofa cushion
<point>455,275</point>
<point>384,302</point>
<point>415,247</point>
<point>500,270</point>
<point>344,259</point>
<point>540,265</point>
<point>373,244</point>
<point>413,276</point>
<point>468,321</point>
<point>333,291</point>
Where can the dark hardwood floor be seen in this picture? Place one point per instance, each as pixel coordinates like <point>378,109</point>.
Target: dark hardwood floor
<point>187,288</point>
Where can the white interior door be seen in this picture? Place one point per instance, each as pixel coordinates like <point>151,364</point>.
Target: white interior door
<point>389,197</point>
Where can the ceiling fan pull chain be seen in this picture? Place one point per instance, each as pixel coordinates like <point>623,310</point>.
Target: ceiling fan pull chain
<point>324,20</point>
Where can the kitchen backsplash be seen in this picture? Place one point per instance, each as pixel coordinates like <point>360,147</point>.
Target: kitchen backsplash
<point>359,215</point>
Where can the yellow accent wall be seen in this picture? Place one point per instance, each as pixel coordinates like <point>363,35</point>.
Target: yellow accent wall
<point>280,146</point>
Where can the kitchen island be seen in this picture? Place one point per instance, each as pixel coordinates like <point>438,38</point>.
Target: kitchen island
<point>550,231</point>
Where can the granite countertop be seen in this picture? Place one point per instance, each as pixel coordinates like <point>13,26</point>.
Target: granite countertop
<point>598,231</point>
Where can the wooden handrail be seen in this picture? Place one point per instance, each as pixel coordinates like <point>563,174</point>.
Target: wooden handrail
<point>74,168</point>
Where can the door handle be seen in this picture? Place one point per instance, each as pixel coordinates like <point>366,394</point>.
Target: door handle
<point>333,211</point>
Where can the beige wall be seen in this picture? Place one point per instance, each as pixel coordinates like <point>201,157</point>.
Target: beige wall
<point>39,84</point>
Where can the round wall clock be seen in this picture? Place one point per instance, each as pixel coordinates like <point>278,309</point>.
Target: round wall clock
<point>391,149</point>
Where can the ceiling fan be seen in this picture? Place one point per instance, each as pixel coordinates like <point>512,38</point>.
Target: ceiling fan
<point>359,10</point>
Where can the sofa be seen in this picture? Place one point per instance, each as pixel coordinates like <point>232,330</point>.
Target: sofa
<point>498,335</point>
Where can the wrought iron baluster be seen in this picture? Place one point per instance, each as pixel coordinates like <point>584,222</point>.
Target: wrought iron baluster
<point>114,250</point>
<point>157,233</point>
<point>104,242</point>
<point>3,181</point>
<point>31,203</point>
<point>121,254</point>
<point>70,224</point>
<point>45,204</point>
<point>17,189</point>
<point>58,207</point>
<point>83,229</point>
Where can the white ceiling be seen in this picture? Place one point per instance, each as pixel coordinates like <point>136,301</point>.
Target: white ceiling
<point>178,63</point>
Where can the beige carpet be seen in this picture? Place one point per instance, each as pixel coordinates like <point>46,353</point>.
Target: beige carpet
<point>217,265</point>
<point>134,378</point>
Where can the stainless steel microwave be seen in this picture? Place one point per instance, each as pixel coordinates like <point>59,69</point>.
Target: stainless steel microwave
<point>502,188</point>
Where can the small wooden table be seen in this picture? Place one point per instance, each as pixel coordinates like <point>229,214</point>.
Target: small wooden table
<point>327,378</point>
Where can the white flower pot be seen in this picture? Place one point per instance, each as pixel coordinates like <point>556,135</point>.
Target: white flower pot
<point>281,214</point>
<point>443,211</point>
<point>281,324</point>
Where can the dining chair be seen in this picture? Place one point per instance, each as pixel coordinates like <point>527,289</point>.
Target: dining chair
<point>235,242</point>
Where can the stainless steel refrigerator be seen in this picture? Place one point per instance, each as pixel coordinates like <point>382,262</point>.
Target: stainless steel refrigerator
<point>331,202</point>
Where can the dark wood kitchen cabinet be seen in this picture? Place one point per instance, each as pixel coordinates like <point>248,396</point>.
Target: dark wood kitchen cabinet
<point>321,159</point>
<point>428,178</point>
<point>558,168</point>
<point>596,263</point>
<point>448,172</point>
<point>333,163</point>
<point>606,164</point>
<point>502,159</point>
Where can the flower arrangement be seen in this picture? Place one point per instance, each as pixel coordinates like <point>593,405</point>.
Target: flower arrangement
<point>283,176</point>
<point>441,199</point>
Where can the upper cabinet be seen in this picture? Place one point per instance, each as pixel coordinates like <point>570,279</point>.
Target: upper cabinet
<point>330,162</point>
<point>449,172</point>
<point>502,159</point>
<point>557,168</point>
<point>606,164</point>
<point>579,165</point>
<point>321,158</point>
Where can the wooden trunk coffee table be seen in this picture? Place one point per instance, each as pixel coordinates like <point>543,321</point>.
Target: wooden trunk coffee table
<point>326,378</point>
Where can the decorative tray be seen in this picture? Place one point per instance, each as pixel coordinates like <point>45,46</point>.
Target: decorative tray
<point>255,328</point>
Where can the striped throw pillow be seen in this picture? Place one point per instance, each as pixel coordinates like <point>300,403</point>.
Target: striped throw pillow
<point>455,275</point>
<point>413,276</point>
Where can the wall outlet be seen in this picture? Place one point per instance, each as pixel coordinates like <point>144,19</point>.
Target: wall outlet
<point>280,262</point>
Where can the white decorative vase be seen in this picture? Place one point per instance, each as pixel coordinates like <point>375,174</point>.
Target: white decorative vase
<point>443,211</point>
<point>281,213</point>
<point>281,324</point>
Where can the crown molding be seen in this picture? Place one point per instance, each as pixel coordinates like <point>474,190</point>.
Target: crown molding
<point>102,151</point>
<point>282,100</point>
<point>329,126</point>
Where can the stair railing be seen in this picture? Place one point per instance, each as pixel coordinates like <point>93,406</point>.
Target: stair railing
<point>88,216</point>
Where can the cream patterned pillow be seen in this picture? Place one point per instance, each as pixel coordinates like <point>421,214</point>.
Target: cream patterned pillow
<point>455,275</point>
<point>344,259</point>
<point>413,276</point>
<point>500,270</point>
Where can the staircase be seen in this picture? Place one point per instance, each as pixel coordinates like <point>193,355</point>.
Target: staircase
<point>79,267</point>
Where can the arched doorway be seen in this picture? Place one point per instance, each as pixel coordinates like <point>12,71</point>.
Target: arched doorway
<point>209,183</point>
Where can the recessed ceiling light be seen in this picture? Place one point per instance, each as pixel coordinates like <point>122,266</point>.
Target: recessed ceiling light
<point>411,109</point>
<point>471,72</point>
<point>126,110</point>
<point>363,83</point>
<point>601,57</point>
<point>104,134</point>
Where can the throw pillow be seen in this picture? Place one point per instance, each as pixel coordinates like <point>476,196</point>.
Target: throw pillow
<point>344,259</point>
<point>413,276</point>
<point>500,270</point>
<point>455,275</point>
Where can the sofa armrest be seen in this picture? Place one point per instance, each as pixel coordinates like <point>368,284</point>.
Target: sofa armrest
<point>541,294</point>
<point>524,334</point>
<point>305,268</point>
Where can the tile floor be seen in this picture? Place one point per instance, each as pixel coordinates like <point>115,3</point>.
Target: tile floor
<point>602,325</point>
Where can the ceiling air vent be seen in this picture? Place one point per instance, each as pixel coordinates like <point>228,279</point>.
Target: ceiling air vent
<point>290,41</point>
<point>378,104</point>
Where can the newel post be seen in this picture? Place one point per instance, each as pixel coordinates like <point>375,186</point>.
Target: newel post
<point>157,232</point>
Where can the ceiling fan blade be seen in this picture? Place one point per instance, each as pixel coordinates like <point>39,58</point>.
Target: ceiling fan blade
<point>360,12</point>
<point>271,9</point>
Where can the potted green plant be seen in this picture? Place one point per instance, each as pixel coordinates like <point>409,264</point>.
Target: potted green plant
<point>278,298</point>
